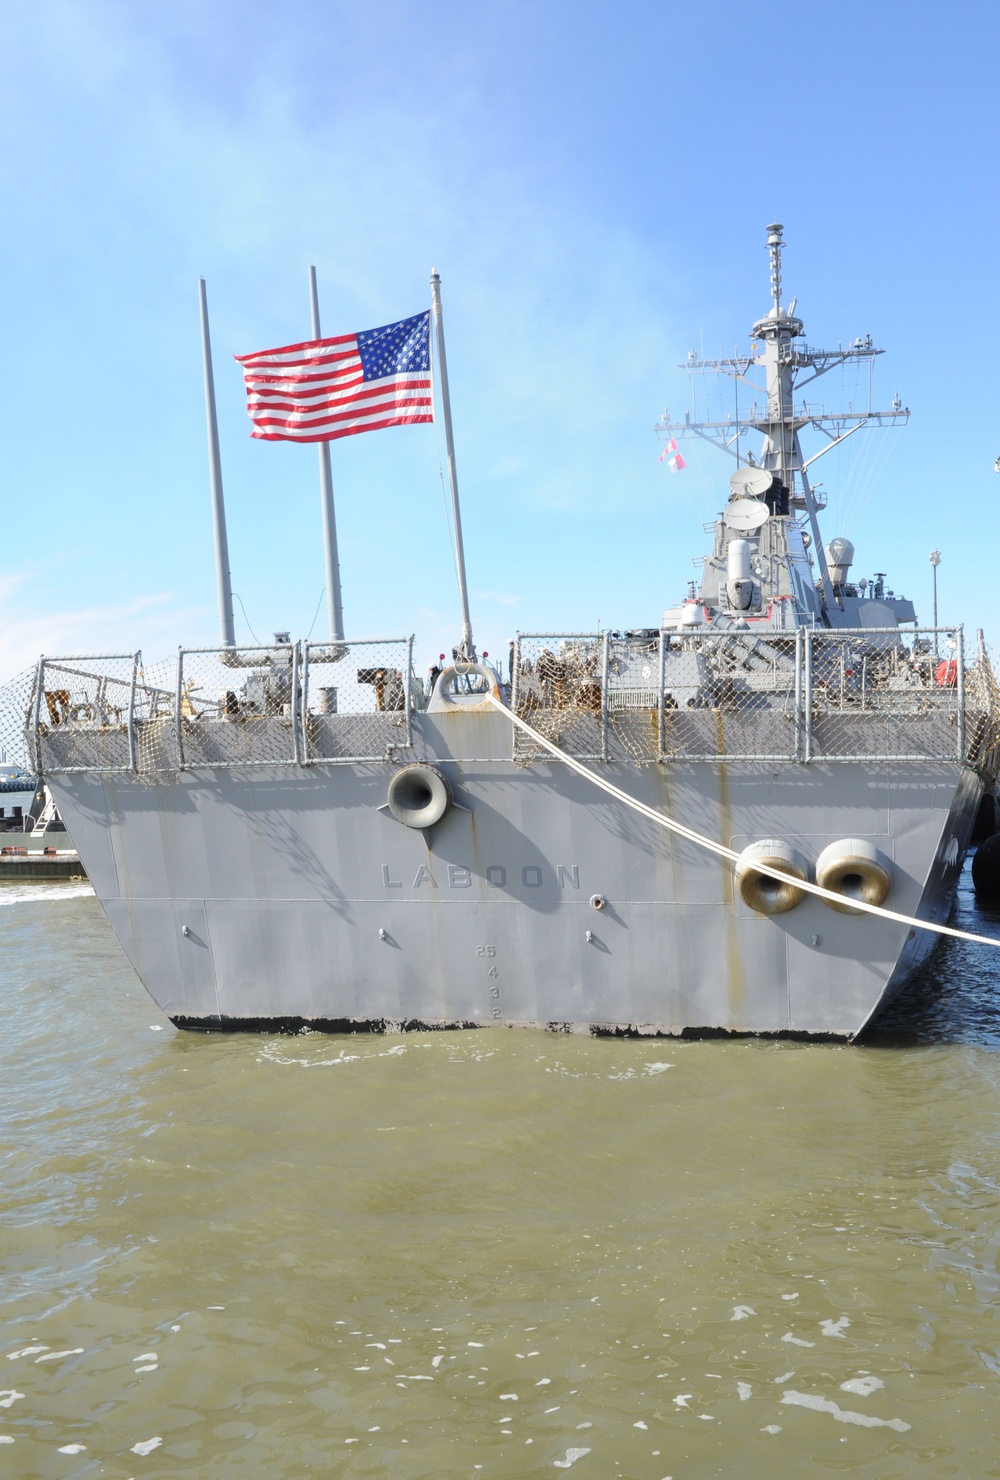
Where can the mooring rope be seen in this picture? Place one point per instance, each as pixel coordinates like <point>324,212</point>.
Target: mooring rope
<point>720,848</point>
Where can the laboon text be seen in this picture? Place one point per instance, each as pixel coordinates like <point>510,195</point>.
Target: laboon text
<point>495,875</point>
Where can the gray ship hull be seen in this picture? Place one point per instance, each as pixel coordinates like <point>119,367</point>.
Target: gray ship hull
<point>282,896</point>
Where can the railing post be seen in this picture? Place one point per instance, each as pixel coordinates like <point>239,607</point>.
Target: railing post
<point>799,755</point>
<point>294,707</point>
<point>133,757</point>
<point>35,747</point>
<point>807,695</point>
<point>960,675</point>
<point>604,698</point>
<point>515,677</point>
<point>304,702</point>
<point>407,694</point>
<point>661,717</point>
<point>178,699</point>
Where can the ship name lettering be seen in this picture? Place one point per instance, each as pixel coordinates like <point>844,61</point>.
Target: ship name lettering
<point>460,876</point>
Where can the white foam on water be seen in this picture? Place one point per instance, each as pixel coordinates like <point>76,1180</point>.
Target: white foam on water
<point>553,1410</point>
<point>508,1397</point>
<point>436,1361</point>
<point>785,1376</point>
<point>834,1328</point>
<point>9,1396</point>
<point>475,1343</point>
<point>149,1367</point>
<point>75,1351</point>
<point>771,1428</point>
<point>6,1438</point>
<point>572,1455</point>
<point>742,1312</point>
<point>146,1446</point>
<point>842,1415</point>
<point>657,1068</point>
<point>43,893</point>
<point>156,1027</point>
<point>683,1399</point>
<point>745,1391</point>
<point>864,1386</point>
<point>640,1425</point>
<point>796,1340</point>
<point>146,1357</point>
<point>793,1296</point>
<point>585,1425</point>
<point>543,1382</point>
<point>380,1344</point>
<point>26,1351</point>
<point>410,1376</point>
<point>72,1448</point>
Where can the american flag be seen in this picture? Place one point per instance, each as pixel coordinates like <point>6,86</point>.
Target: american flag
<point>327,388</point>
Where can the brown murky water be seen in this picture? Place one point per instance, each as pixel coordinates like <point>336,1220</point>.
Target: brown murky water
<point>489,1254</point>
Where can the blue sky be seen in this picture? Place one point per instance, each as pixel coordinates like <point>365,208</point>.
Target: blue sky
<point>593,185</point>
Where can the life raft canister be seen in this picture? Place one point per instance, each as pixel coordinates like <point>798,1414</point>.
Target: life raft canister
<point>856,869</point>
<point>762,893</point>
<point>946,674</point>
<point>419,796</point>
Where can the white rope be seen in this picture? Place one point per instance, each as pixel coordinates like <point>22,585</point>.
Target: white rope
<point>721,849</point>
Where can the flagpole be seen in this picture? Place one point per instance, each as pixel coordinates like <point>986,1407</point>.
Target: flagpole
<point>467,646</point>
<point>334,605</point>
<point>223,579</point>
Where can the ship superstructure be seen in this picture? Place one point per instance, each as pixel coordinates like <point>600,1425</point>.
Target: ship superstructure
<point>301,835</point>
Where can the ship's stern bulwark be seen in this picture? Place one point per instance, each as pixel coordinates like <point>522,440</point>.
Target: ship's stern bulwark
<point>280,896</point>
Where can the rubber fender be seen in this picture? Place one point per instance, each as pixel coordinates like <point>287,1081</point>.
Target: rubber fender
<point>762,893</point>
<point>986,868</point>
<point>856,869</point>
<point>419,796</point>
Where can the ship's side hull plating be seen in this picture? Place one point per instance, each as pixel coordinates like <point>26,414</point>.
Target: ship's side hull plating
<point>282,896</point>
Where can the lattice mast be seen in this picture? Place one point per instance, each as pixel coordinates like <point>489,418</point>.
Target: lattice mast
<point>788,365</point>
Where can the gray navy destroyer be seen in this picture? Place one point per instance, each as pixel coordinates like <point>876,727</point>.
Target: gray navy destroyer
<point>302,836</point>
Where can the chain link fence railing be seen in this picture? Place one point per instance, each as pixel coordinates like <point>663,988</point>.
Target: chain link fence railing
<point>357,699</point>
<point>884,694</point>
<point>736,694</point>
<point>982,711</point>
<point>17,700</point>
<point>832,695</point>
<point>286,704</point>
<point>82,713</point>
<point>558,686</point>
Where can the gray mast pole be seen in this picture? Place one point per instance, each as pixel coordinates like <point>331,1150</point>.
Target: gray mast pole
<point>334,604</point>
<point>222,575</point>
<point>467,646</point>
